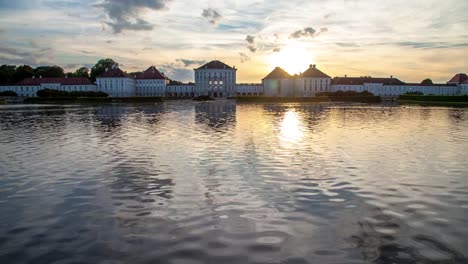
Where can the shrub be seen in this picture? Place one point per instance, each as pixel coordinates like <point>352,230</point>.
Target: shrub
<point>345,93</point>
<point>9,93</point>
<point>51,93</point>
<point>414,93</point>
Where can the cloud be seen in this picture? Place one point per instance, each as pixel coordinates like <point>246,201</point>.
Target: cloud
<point>34,55</point>
<point>307,32</point>
<point>188,63</point>
<point>126,14</point>
<point>347,44</point>
<point>250,39</point>
<point>276,49</point>
<point>244,57</point>
<point>212,15</point>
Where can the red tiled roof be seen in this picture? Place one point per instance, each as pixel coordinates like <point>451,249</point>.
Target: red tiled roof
<point>62,81</point>
<point>216,64</point>
<point>313,72</point>
<point>151,73</point>
<point>278,73</point>
<point>432,84</point>
<point>114,73</point>
<point>458,78</point>
<point>363,80</point>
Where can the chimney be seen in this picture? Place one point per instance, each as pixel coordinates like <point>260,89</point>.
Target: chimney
<point>40,76</point>
<point>107,69</point>
<point>346,76</point>
<point>391,77</point>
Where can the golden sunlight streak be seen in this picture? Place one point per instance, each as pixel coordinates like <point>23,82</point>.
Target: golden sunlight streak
<point>290,128</point>
<point>293,58</point>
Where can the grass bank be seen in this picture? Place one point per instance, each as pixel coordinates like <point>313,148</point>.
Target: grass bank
<point>431,100</point>
<point>317,99</point>
<point>434,103</point>
<point>93,100</point>
<point>434,98</point>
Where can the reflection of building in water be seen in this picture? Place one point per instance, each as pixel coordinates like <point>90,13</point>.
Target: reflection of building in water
<point>215,114</point>
<point>110,115</point>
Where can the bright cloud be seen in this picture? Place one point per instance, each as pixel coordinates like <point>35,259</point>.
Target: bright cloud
<point>406,39</point>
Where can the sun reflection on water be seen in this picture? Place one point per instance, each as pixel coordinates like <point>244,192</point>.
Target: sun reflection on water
<point>291,127</point>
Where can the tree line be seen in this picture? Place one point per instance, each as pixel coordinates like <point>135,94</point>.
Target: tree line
<point>12,74</point>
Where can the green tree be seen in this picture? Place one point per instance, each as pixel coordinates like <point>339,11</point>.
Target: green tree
<point>6,73</point>
<point>82,72</point>
<point>100,67</point>
<point>49,71</point>
<point>427,82</point>
<point>22,72</point>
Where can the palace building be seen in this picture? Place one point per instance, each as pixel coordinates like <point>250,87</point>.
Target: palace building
<point>218,80</point>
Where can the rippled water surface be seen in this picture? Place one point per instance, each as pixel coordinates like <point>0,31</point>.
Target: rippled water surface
<point>184,182</point>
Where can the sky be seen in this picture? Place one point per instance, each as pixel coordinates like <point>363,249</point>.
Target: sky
<point>411,40</point>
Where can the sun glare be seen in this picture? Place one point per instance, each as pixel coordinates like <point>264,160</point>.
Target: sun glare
<point>293,58</point>
<point>290,128</point>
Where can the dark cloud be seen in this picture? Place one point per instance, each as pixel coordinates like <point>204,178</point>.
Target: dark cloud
<point>34,55</point>
<point>250,39</point>
<point>244,57</point>
<point>252,48</point>
<point>125,14</point>
<point>307,32</point>
<point>188,63</point>
<point>276,49</point>
<point>175,72</point>
<point>327,16</point>
<point>212,15</point>
<point>347,44</point>
<point>429,45</point>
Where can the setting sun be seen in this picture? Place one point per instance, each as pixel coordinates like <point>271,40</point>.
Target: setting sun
<point>294,58</point>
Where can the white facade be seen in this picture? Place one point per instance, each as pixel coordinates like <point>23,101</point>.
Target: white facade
<point>393,90</point>
<point>307,87</point>
<point>215,79</point>
<point>249,89</point>
<point>116,83</point>
<point>117,86</point>
<point>280,84</point>
<point>181,90</point>
<point>30,90</point>
<point>151,87</point>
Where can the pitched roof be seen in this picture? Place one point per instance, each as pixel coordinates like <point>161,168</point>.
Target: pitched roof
<point>216,64</point>
<point>115,72</point>
<point>313,72</point>
<point>151,73</point>
<point>278,73</point>
<point>431,84</point>
<point>458,78</point>
<point>363,80</point>
<point>62,81</point>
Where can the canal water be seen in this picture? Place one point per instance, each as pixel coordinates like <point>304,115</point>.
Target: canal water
<point>220,182</point>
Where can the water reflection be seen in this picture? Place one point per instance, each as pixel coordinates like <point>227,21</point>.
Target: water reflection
<point>216,114</point>
<point>216,182</point>
<point>291,127</point>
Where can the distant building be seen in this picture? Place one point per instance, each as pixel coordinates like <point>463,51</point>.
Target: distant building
<point>215,79</point>
<point>311,82</point>
<point>151,83</point>
<point>390,86</point>
<point>249,89</point>
<point>116,83</point>
<point>29,86</point>
<point>181,90</point>
<point>279,83</point>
